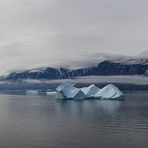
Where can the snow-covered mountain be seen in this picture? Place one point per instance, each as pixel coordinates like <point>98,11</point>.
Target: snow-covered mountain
<point>108,65</point>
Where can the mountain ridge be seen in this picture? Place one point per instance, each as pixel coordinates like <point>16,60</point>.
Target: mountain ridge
<point>108,66</point>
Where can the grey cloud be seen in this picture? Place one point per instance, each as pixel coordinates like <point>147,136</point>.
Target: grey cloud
<point>53,32</point>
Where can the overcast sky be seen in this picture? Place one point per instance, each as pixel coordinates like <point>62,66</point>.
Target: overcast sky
<point>36,33</point>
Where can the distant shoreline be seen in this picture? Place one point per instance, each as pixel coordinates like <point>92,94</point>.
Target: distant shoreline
<point>123,82</point>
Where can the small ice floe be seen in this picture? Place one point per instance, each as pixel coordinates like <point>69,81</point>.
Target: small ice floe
<point>32,92</point>
<point>51,93</point>
<point>69,91</point>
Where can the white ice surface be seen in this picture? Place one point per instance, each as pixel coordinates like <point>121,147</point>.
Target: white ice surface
<point>90,91</point>
<point>68,91</point>
<point>109,92</point>
<point>51,93</point>
<point>32,92</point>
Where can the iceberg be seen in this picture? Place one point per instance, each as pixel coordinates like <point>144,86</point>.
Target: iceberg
<point>110,92</point>
<point>69,91</point>
<point>32,92</point>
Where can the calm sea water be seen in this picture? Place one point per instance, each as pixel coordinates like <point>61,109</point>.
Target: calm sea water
<point>43,122</point>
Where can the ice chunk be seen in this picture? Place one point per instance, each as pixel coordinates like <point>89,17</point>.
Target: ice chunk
<point>32,92</point>
<point>51,93</point>
<point>68,91</point>
<point>109,92</point>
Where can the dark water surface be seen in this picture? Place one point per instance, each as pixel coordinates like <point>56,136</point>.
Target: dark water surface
<point>43,122</point>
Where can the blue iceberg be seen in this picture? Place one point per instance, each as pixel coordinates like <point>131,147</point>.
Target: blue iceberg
<point>69,91</point>
<point>109,92</point>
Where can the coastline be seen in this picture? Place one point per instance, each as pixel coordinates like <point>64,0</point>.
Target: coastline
<point>125,83</point>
